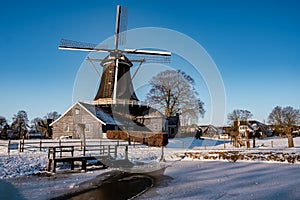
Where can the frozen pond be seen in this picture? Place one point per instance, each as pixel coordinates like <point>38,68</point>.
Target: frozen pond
<point>191,142</point>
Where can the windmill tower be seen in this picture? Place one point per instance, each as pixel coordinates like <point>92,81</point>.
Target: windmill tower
<point>116,82</point>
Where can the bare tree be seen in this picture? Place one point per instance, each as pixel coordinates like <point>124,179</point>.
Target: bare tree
<point>45,124</point>
<point>235,116</point>
<point>35,124</point>
<point>42,125</point>
<point>52,115</point>
<point>3,121</point>
<point>238,114</point>
<point>173,92</point>
<point>283,120</point>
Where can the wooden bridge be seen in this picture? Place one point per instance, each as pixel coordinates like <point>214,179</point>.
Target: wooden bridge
<point>57,154</point>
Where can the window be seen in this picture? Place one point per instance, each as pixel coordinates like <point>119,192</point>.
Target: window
<point>77,111</point>
<point>66,128</point>
<point>87,128</point>
<point>155,127</point>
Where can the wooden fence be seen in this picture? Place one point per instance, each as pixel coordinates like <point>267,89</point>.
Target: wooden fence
<point>98,146</point>
<point>78,144</point>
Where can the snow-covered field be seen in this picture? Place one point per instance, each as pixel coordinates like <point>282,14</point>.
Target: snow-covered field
<point>228,180</point>
<point>191,178</point>
<point>35,161</point>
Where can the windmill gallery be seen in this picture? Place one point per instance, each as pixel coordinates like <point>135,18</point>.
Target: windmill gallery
<point>116,112</point>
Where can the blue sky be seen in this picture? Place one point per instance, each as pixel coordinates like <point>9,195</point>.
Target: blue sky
<point>255,45</point>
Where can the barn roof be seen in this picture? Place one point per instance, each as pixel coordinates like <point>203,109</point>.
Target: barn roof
<point>99,114</point>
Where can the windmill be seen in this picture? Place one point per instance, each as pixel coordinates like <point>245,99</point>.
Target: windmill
<point>116,81</point>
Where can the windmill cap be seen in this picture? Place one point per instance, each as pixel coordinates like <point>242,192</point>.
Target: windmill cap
<point>112,58</point>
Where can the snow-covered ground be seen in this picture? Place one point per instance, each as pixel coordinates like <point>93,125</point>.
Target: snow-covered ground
<point>228,180</point>
<point>35,161</point>
<point>191,177</point>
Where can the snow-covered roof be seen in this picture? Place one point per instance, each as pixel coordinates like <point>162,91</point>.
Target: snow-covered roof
<point>95,111</point>
<point>100,113</point>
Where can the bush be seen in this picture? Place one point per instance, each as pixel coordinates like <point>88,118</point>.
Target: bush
<point>147,138</point>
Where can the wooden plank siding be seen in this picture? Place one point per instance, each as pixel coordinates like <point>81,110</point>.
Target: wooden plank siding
<point>94,121</point>
<point>67,125</point>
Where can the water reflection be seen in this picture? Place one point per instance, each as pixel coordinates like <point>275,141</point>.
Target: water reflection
<point>124,188</point>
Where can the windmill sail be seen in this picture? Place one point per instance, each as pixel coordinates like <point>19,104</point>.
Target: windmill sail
<point>80,46</point>
<point>123,26</point>
<point>116,82</point>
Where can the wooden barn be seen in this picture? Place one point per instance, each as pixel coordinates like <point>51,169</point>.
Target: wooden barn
<point>92,121</point>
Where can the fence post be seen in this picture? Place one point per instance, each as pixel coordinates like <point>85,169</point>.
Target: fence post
<point>126,152</point>
<point>162,154</point>
<point>272,143</point>
<point>20,150</point>
<point>8,150</point>
<point>108,150</point>
<point>101,151</point>
<point>116,151</point>
<point>61,151</point>
<point>84,150</point>
<point>23,144</point>
<point>40,145</point>
<point>59,143</point>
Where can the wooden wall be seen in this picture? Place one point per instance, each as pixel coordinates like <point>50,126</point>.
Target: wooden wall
<point>68,125</point>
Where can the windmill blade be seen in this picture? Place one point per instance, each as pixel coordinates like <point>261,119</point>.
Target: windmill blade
<point>80,46</point>
<point>123,26</point>
<point>117,26</point>
<point>147,52</point>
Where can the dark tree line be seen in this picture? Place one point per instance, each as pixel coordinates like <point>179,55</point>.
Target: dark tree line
<point>20,125</point>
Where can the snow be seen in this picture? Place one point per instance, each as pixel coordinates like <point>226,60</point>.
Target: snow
<point>33,161</point>
<point>228,180</point>
<point>189,176</point>
<point>22,164</point>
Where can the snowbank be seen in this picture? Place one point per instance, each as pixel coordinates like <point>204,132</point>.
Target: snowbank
<point>28,163</point>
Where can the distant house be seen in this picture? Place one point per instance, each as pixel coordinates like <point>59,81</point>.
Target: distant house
<point>92,121</point>
<point>254,126</point>
<point>211,131</point>
<point>172,125</point>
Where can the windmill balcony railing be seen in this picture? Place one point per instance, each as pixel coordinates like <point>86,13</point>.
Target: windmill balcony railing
<point>110,101</point>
